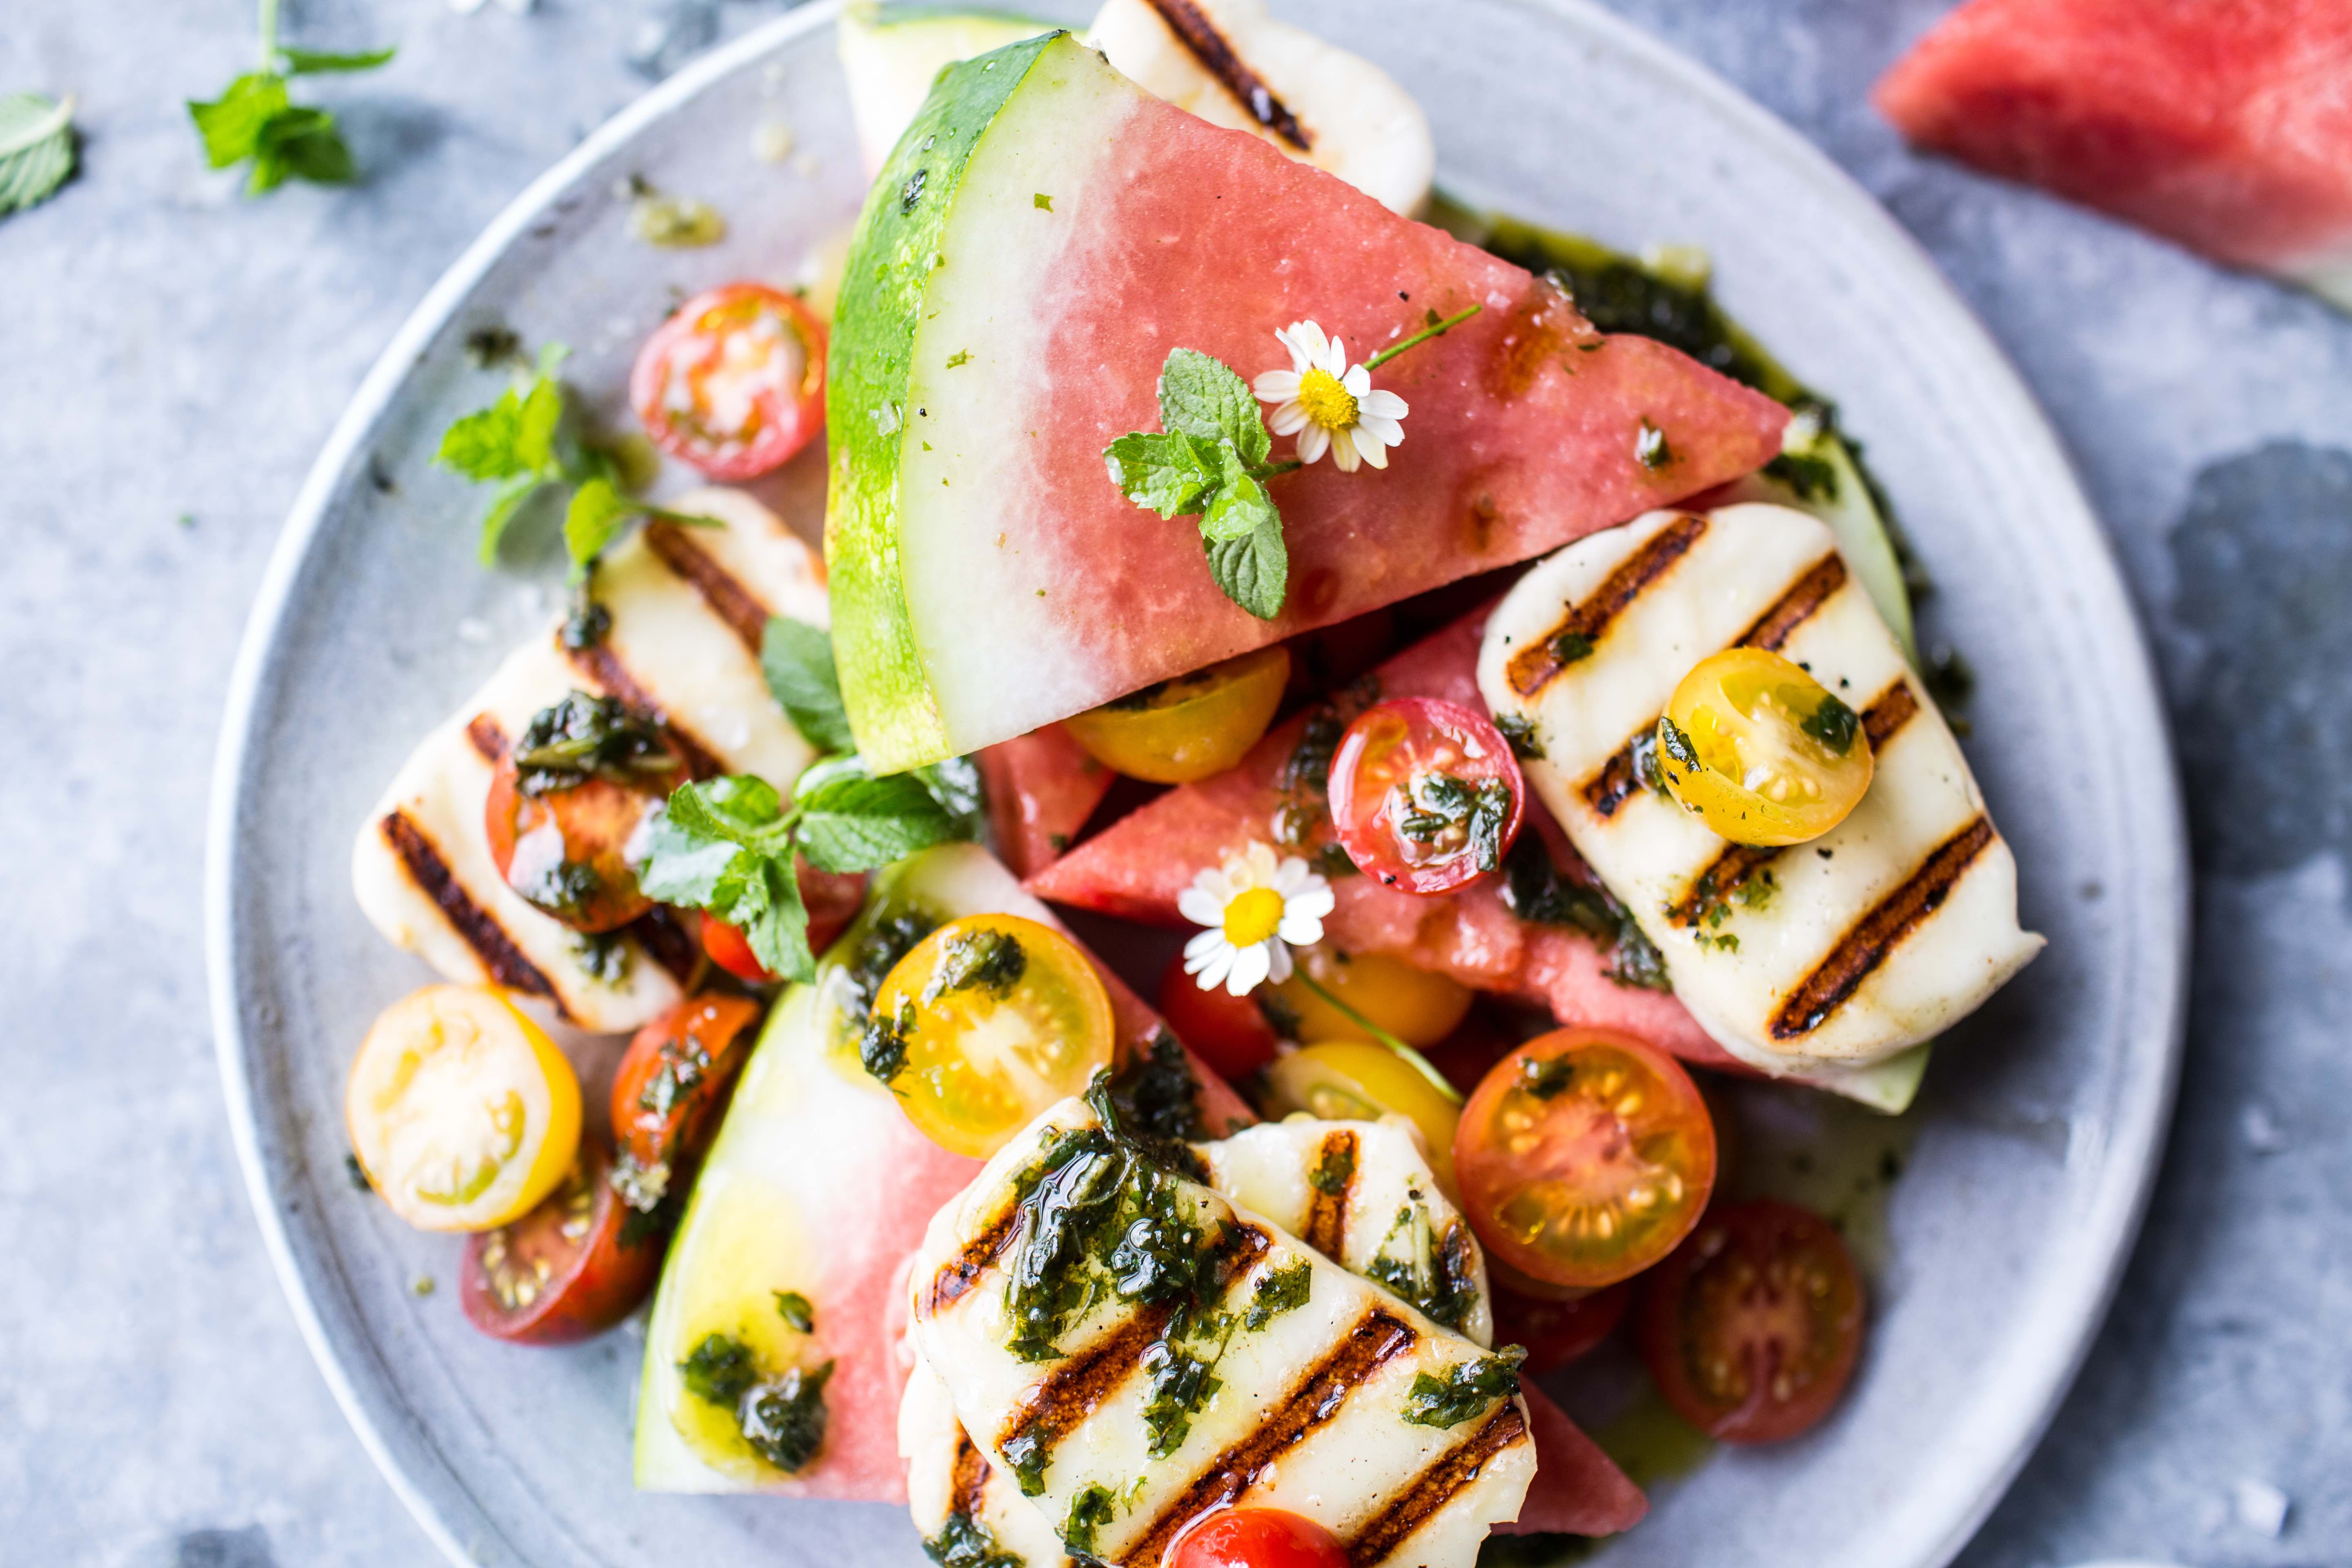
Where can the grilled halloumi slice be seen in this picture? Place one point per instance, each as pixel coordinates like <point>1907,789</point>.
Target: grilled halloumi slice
<point>688,608</point>
<point>1361,1193</point>
<point>1233,65</point>
<point>1292,1384</point>
<point>1894,925</point>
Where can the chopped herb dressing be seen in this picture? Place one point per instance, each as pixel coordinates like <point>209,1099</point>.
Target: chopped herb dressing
<point>585,737</point>
<point>1432,1272</point>
<point>963,1543</point>
<point>1535,890</point>
<point>1520,731</point>
<point>1279,1291</point>
<point>796,1309</point>
<point>1465,1391</point>
<point>1444,815</point>
<point>783,1418</point>
<point>1156,1094</point>
<point>1834,724</point>
<point>980,959</point>
<point>1089,1510</point>
<point>1335,1167</point>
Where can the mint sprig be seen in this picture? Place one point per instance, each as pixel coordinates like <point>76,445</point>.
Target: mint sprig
<point>255,120</point>
<point>36,149</point>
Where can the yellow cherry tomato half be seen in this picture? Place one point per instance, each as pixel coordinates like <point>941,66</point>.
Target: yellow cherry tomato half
<point>1761,751</point>
<point>985,1023</point>
<point>462,1111</point>
<point>1417,1006</point>
<point>1190,727</point>
<point>1354,1080</point>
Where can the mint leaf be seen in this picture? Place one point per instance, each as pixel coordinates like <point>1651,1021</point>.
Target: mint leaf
<point>1200,397</point>
<point>483,445</point>
<point>501,512</point>
<point>797,660</point>
<point>742,808</point>
<point>1162,470</point>
<point>36,149</point>
<point>763,901</point>
<point>536,419</point>
<point>850,822</point>
<point>726,846</point>
<point>231,125</point>
<point>1254,570</point>
<point>682,867</point>
<point>309,62</point>
<point>955,783</point>
<point>595,518</point>
<point>1240,506</point>
<point>302,144</point>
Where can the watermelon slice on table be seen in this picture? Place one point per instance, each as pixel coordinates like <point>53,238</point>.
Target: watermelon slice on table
<point>1042,787</point>
<point>2224,124</point>
<point>1042,236</point>
<point>1139,865</point>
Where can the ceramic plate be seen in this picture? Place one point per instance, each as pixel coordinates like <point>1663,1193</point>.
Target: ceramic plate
<point>2033,1144</point>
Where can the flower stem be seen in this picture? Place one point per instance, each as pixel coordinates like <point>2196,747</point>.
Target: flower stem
<point>270,36</point>
<point>1272,470</point>
<point>1435,329</point>
<point>1412,1057</point>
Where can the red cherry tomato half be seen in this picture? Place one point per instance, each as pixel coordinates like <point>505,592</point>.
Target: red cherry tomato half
<point>1225,1031</point>
<point>1426,793</point>
<point>566,851</point>
<point>564,1270</point>
<point>1557,1332</point>
<point>832,899</point>
<point>734,382</point>
<point>672,1081</point>
<point>1255,1538</point>
<point>1752,1326</point>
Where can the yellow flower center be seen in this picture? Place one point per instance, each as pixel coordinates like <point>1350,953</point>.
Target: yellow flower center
<point>1254,914</point>
<point>1327,402</point>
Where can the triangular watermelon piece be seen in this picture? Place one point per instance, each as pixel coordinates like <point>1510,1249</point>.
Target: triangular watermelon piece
<point>1042,787</point>
<point>1138,867</point>
<point>2224,124</point>
<point>1577,1490</point>
<point>1044,234</point>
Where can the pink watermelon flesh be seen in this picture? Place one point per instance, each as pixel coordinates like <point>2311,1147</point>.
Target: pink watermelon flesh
<point>1042,787</point>
<point>1577,1490</point>
<point>1522,436</point>
<point>1138,867</point>
<point>2224,124</point>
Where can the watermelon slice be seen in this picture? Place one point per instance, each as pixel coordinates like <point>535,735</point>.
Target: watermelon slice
<point>817,1183</point>
<point>1577,1490</point>
<point>1138,867</point>
<point>1042,787</point>
<point>2224,124</point>
<point>1043,234</point>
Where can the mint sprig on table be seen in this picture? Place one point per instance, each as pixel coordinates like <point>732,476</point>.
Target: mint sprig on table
<point>36,149</point>
<point>729,845</point>
<point>255,119</point>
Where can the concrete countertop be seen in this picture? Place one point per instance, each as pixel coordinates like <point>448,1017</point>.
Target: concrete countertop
<point>175,354</point>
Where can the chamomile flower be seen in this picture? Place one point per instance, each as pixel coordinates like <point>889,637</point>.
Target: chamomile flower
<point>1256,909</point>
<point>1328,403</point>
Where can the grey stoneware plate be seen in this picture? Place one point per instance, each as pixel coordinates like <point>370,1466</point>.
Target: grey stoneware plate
<point>2030,1152</point>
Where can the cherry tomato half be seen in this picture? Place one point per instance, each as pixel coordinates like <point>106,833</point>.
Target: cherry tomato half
<point>567,851</point>
<point>1751,1329</point>
<point>1417,1006</point>
<point>1190,727</point>
<point>1353,1080</point>
<point>670,1087</point>
<point>1426,793</point>
<point>1227,1031</point>
<point>1557,1332</point>
<point>832,899</point>
<point>733,383</point>
<point>1255,1538</point>
<point>563,1271</point>
<point>1761,751</point>
<point>986,1022</point>
<point>1585,1156</point>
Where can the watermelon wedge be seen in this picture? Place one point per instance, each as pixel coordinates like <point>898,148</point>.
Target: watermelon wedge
<point>1577,1490</point>
<point>1139,865</point>
<point>1043,234</point>
<point>1042,787</point>
<point>2223,125</point>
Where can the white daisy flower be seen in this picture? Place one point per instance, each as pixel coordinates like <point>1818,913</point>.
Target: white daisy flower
<point>1257,910</point>
<point>1328,403</point>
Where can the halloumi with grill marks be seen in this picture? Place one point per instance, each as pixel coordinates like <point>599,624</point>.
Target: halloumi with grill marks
<point>1887,930</point>
<point>1361,1193</point>
<point>1306,1410</point>
<point>687,609</point>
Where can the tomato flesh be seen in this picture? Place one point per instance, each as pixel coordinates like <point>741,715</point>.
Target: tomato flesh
<point>1425,794</point>
<point>833,899</point>
<point>1227,1031</point>
<point>1354,1080</point>
<point>1584,1157</point>
<point>1752,1327</point>
<point>1761,751</point>
<point>985,1023</point>
<point>1557,1332</point>
<point>563,1271</point>
<point>733,383</point>
<point>568,852</point>
<point>668,1094</point>
<point>1256,1538</point>
<point>1191,727</point>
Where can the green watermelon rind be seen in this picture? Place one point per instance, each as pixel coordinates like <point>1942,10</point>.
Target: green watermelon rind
<point>893,709</point>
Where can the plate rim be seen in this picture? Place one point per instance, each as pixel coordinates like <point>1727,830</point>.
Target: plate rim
<point>2113,1210</point>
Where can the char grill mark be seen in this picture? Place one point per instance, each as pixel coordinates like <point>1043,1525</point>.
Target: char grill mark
<point>1870,940</point>
<point>1327,1212</point>
<point>499,955</point>
<point>955,1281</point>
<point>487,740</point>
<point>729,599</point>
<point>1608,788</point>
<point>968,1482</point>
<point>1378,1337</point>
<point>600,664</point>
<point>1208,46</point>
<point>1535,666</point>
<point>1436,1486</point>
<point>1893,710</point>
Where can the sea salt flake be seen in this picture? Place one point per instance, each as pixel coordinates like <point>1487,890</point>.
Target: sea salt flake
<point>2261,1507</point>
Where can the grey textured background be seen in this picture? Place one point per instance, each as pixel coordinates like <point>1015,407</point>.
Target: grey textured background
<point>172,355</point>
